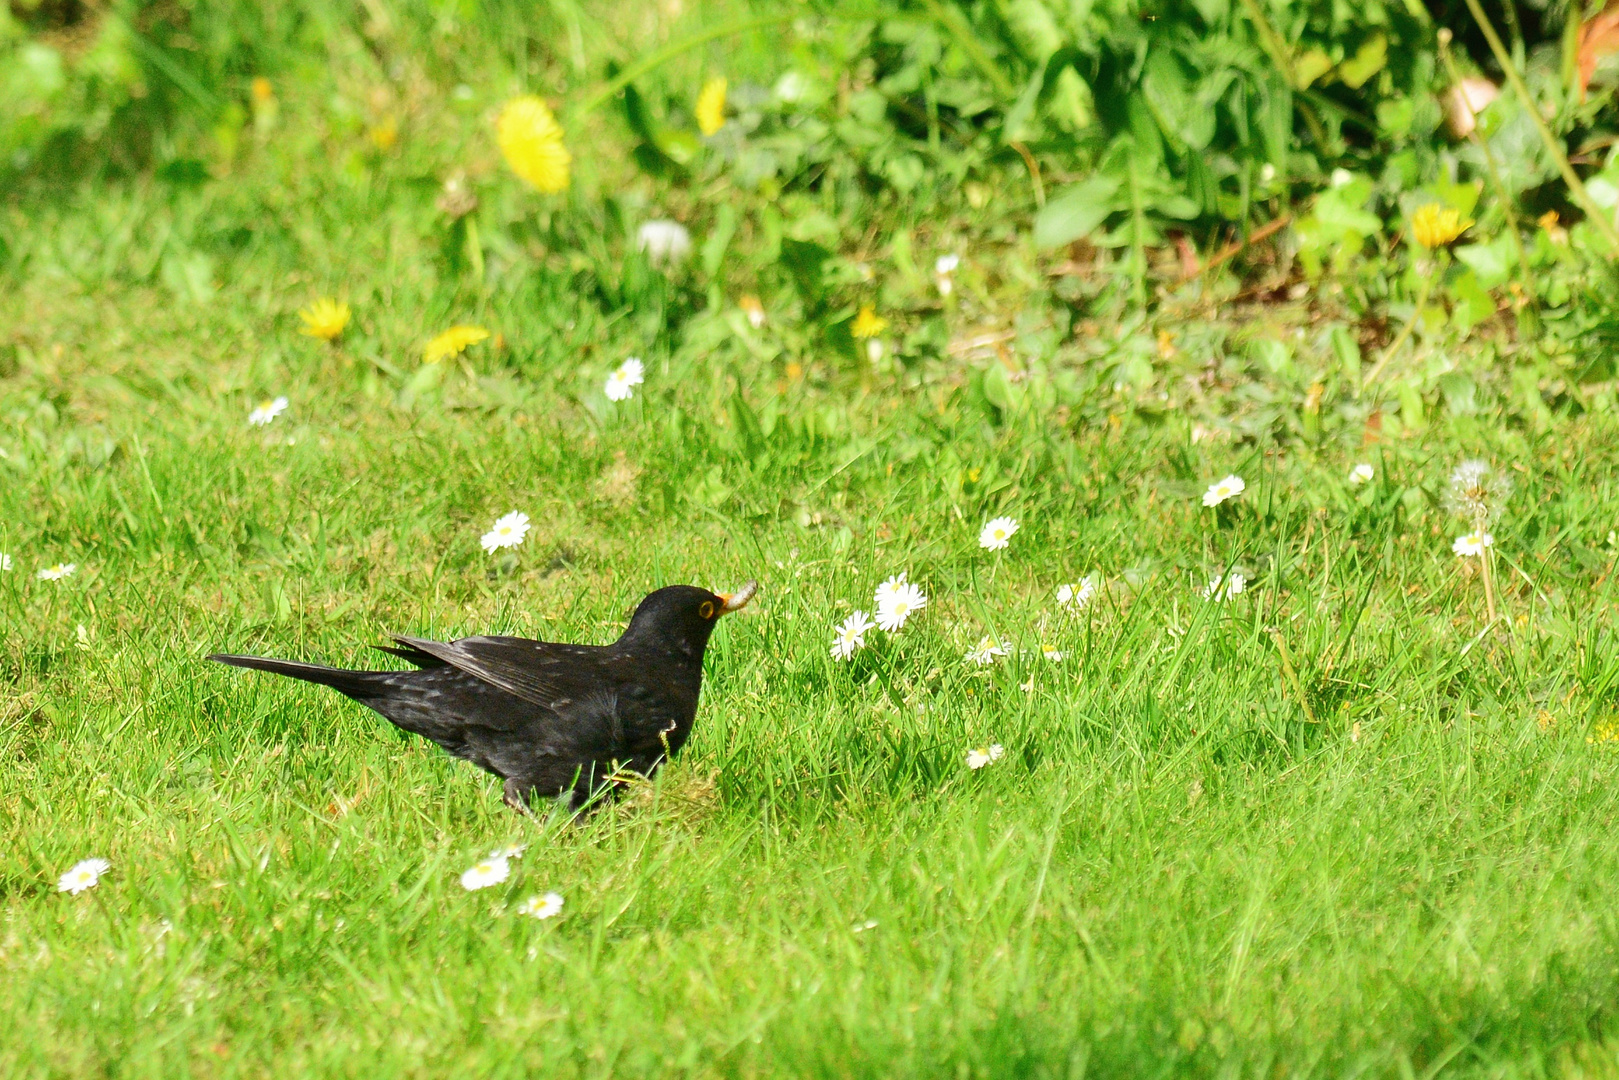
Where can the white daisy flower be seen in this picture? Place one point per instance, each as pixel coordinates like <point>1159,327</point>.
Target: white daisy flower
<point>978,757</point>
<point>1224,587</point>
<point>1219,492</point>
<point>997,533</point>
<point>491,871</point>
<point>510,851</point>
<point>5,561</point>
<point>542,907</point>
<point>621,383</point>
<point>1052,653</point>
<point>1360,474</point>
<point>83,875</point>
<point>1473,543</point>
<point>664,241</point>
<point>897,600</point>
<point>987,651</point>
<point>946,264</point>
<point>850,637</point>
<point>267,411</point>
<point>509,531</point>
<point>1078,596</point>
<point>57,572</point>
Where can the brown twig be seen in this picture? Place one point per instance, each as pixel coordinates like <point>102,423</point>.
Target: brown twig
<point>1264,232</point>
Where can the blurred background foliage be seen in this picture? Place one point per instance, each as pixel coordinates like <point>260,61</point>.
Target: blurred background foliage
<point>1102,156</point>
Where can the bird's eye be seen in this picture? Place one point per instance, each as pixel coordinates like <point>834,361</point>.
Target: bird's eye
<point>707,609</point>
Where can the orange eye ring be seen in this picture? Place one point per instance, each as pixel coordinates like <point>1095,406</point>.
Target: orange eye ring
<point>706,609</point>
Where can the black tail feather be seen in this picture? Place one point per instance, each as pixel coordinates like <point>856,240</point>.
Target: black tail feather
<point>415,656</point>
<point>357,684</point>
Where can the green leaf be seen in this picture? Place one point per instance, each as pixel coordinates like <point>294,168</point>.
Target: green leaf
<point>1371,58</point>
<point>1492,262</point>
<point>1075,211</point>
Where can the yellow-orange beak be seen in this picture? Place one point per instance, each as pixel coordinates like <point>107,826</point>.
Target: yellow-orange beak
<point>739,599</point>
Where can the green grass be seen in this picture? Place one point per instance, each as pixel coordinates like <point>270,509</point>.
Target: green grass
<point>1399,860</point>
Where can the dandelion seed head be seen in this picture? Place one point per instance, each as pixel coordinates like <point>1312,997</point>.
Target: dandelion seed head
<point>665,242</point>
<point>1477,492</point>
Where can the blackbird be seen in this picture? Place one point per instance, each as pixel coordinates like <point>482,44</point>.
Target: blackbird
<point>547,719</point>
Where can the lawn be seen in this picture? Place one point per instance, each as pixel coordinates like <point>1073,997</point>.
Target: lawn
<point>1339,823</point>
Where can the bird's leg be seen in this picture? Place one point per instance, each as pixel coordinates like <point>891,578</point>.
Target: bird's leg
<point>515,795</point>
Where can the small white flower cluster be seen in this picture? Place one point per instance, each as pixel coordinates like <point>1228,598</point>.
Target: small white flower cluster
<point>496,869</point>
<point>267,411</point>
<point>1224,586</point>
<point>978,757</point>
<point>509,531</point>
<point>622,382</point>
<point>986,652</point>
<point>896,601</point>
<point>1076,597</point>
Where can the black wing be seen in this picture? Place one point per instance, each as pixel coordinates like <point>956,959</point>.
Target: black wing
<point>549,675</point>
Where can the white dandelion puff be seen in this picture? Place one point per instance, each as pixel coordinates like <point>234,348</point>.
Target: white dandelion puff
<point>548,906</point>
<point>83,875</point>
<point>491,871</point>
<point>850,636</point>
<point>1477,492</point>
<point>622,382</point>
<point>665,242</point>
<point>508,531</point>
<point>997,533</point>
<point>1221,490</point>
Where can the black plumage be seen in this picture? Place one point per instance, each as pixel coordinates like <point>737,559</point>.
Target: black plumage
<point>548,719</point>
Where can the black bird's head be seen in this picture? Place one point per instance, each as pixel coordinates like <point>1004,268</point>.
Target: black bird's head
<point>679,618</point>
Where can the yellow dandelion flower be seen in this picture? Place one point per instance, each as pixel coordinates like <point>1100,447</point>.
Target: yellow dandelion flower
<point>1435,226</point>
<point>453,342</point>
<point>711,107</point>
<point>868,324</point>
<point>262,90</point>
<point>531,140</point>
<point>325,319</point>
